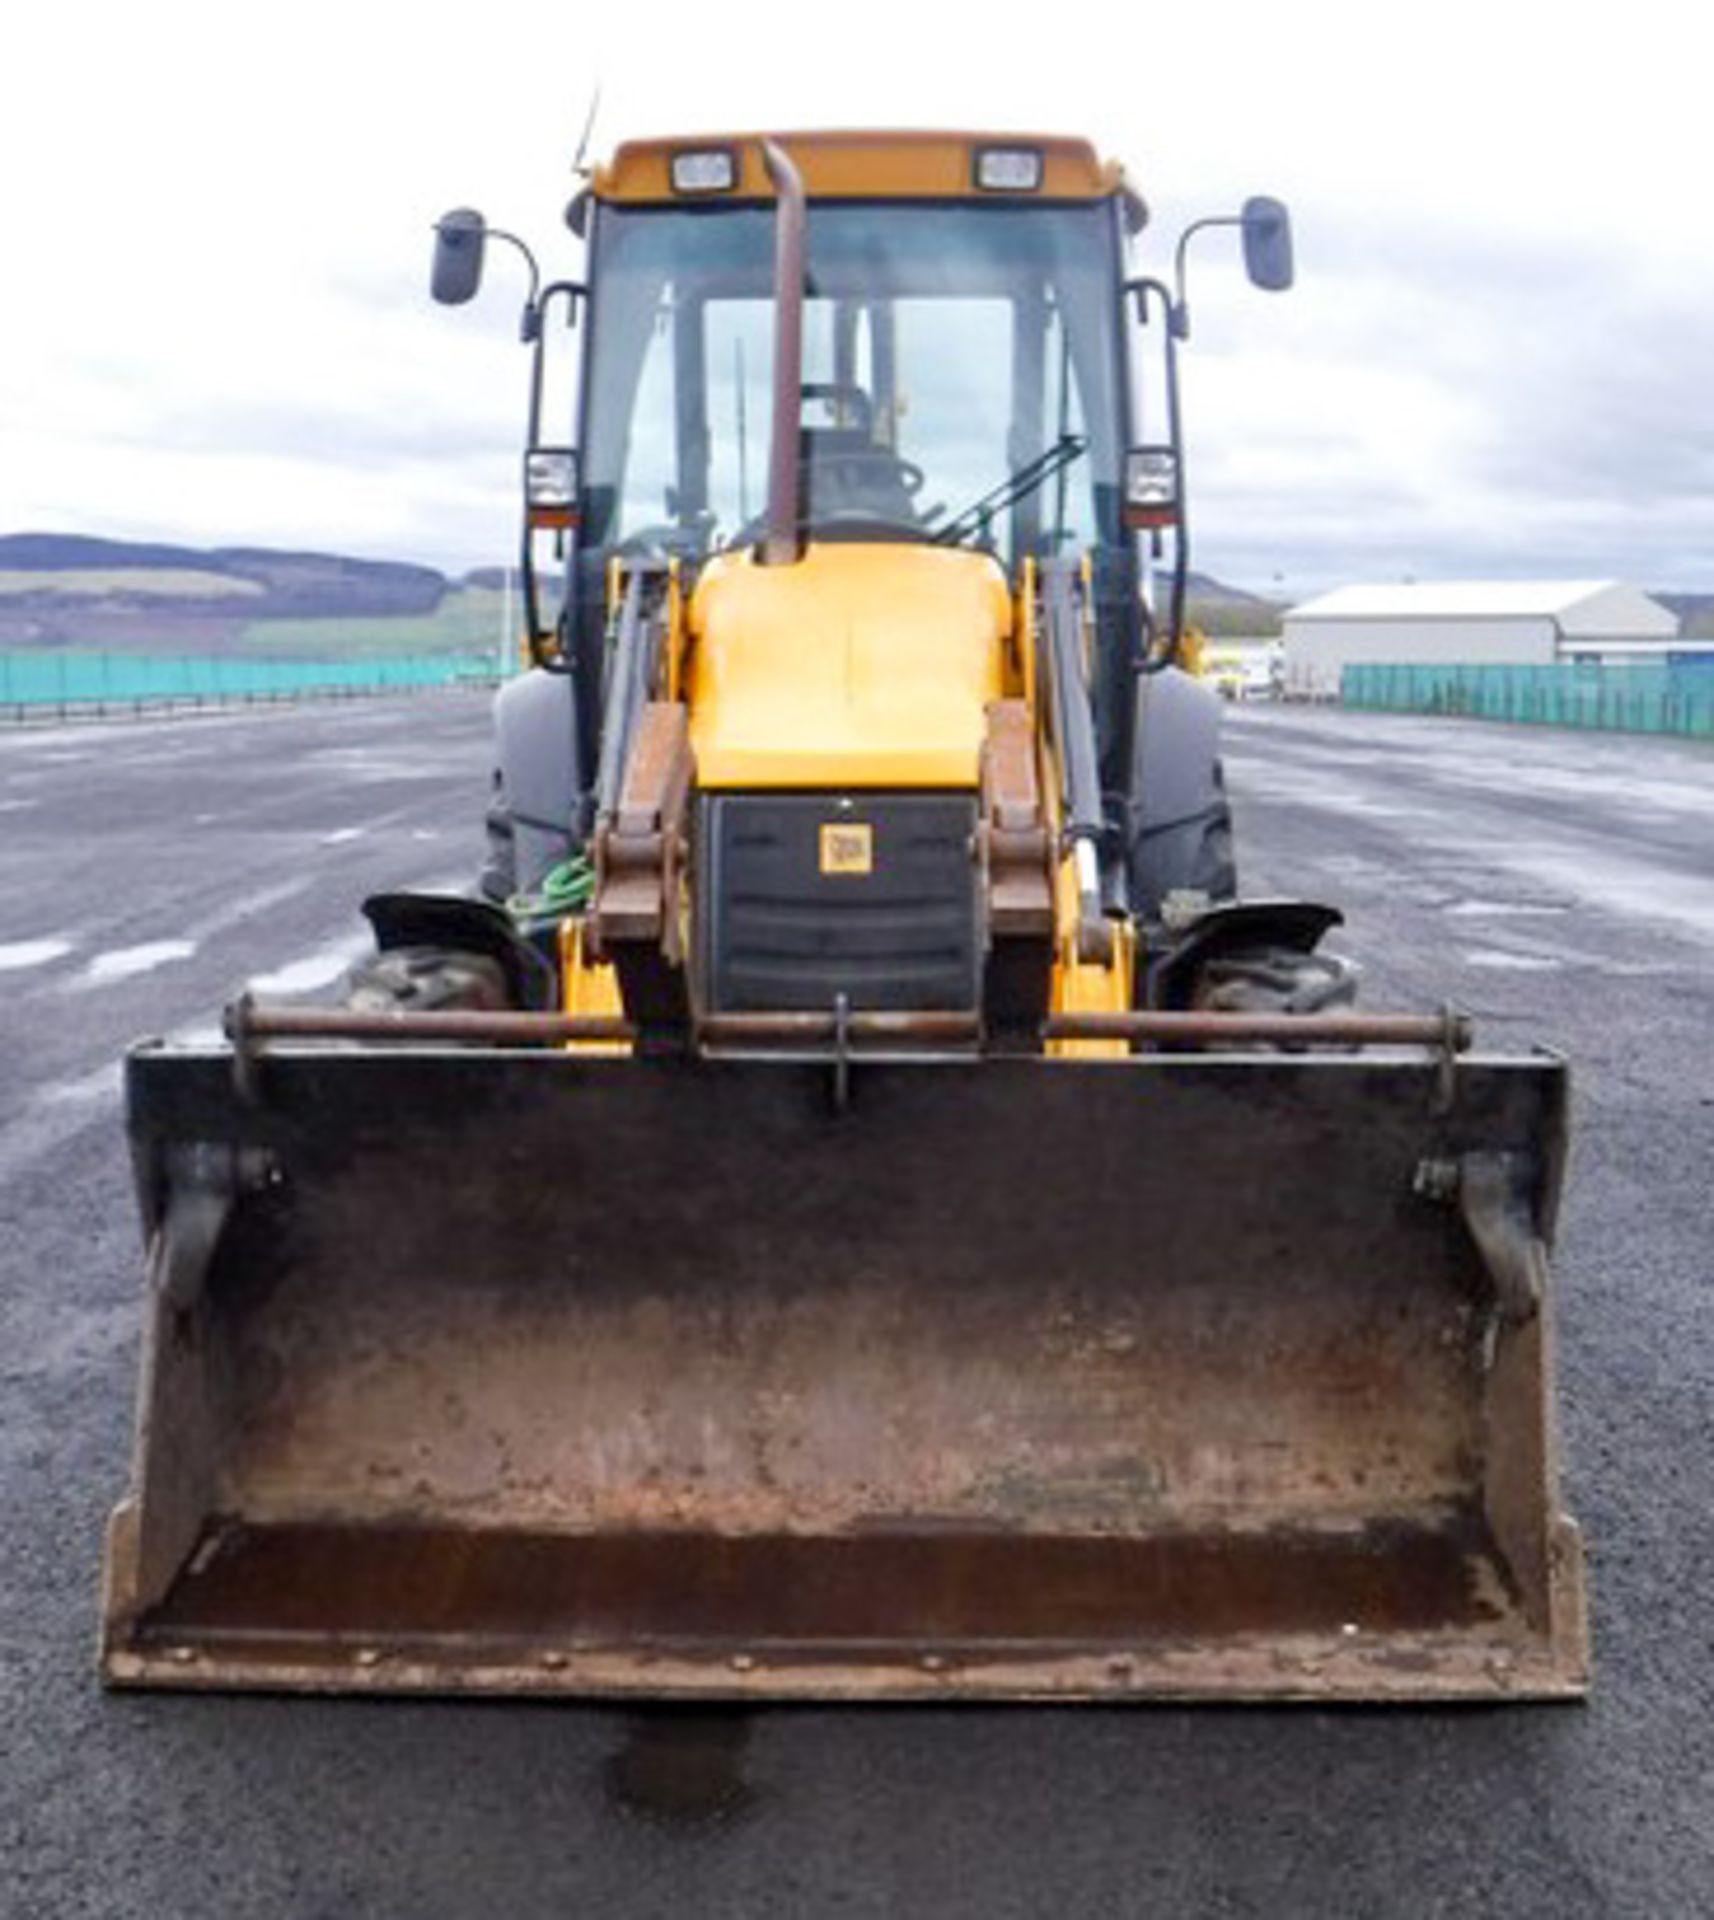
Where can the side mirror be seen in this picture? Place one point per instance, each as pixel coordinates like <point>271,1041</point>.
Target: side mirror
<point>1267,243</point>
<point>458,244</point>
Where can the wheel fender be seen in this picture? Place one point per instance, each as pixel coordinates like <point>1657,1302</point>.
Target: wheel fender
<point>1175,765</point>
<point>1178,827</point>
<point>541,784</point>
<point>456,925</point>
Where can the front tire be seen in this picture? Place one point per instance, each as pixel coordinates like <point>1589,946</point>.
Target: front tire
<point>427,980</point>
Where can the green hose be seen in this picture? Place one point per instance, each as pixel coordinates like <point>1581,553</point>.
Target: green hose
<point>564,890</point>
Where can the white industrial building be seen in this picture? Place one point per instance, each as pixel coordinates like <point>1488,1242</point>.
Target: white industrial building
<point>1470,623</point>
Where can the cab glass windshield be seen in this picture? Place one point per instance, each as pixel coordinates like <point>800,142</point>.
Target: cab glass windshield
<point>948,349</point>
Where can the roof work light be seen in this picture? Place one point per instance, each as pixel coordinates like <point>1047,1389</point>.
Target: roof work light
<point>1009,169</point>
<point>705,170</point>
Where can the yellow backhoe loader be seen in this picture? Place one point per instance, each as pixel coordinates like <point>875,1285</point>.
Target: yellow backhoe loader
<point>854,1205</point>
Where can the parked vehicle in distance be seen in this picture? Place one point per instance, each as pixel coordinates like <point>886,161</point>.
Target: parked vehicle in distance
<point>1242,669</point>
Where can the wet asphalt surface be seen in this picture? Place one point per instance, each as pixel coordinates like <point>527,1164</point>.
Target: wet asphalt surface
<point>1561,887</point>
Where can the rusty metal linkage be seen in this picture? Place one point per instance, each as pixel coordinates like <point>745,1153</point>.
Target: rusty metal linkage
<point>247,1022</point>
<point>1441,1031</point>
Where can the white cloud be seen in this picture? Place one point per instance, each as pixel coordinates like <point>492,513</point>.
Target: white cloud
<point>218,231</point>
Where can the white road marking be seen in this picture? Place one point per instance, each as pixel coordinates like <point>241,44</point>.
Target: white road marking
<point>1492,909</point>
<point>340,835</point>
<point>1500,962</point>
<point>122,963</point>
<point>19,954</point>
<point>1561,861</point>
<point>319,969</point>
<point>1613,883</point>
<point>241,908</point>
<point>104,1083</point>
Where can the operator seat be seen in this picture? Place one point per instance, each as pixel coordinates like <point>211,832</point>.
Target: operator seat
<point>850,474</point>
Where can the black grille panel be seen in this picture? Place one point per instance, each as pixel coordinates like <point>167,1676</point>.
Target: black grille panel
<point>780,935</point>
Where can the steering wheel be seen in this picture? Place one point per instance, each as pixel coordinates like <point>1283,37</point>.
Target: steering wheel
<point>857,519</point>
<point>857,415</point>
<point>883,464</point>
<point>846,398</point>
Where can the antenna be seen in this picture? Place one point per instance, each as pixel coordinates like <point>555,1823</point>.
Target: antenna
<point>577,166</point>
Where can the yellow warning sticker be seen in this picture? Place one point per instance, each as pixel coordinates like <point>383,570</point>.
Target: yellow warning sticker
<point>847,846</point>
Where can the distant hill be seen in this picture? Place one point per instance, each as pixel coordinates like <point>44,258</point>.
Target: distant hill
<point>53,579</point>
<point>1228,613</point>
<point>1211,592</point>
<point>66,589</point>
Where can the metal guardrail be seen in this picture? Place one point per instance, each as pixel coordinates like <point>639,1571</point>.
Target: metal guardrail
<point>1675,699</point>
<point>39,683</point>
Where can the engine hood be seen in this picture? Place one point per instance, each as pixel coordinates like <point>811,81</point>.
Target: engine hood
<point>858,666</point>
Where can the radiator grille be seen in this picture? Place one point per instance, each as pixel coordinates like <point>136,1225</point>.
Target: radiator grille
<point>792,917</point>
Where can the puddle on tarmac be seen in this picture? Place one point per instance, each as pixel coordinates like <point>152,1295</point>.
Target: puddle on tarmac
<point>682,1767</point>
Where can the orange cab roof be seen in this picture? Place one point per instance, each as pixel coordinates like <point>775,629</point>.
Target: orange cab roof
<point>860,165</point>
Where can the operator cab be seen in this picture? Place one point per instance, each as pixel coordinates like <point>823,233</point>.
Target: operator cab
<point>945,347</point>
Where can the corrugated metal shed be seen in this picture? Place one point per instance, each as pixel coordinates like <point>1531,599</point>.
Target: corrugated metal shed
<point>1587,604</point>
<point>1469,622</point>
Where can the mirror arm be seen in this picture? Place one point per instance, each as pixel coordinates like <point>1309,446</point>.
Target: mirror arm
<point>571,292</point>
<point>1178,326</point>
<point>535,320</point>
<point>1180,308</point>
<point>530,321</point>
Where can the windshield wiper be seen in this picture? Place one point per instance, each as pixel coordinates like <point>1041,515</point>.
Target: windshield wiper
<point>975,518</point>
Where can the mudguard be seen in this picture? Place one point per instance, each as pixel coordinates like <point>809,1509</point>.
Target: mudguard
<point>1178,825</point>
<point>541,784</point>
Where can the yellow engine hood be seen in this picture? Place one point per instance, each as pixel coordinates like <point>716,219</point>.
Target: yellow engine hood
<point>859,666</point>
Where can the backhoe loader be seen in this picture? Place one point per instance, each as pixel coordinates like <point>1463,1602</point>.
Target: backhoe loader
<point>854,1204</point>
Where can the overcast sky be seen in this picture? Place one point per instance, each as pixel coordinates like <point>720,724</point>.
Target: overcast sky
<point>1498,359</point>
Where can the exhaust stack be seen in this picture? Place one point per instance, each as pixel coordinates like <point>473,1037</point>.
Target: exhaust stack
<point>782,544</point>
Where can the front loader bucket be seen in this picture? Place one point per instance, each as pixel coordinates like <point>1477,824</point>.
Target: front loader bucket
<point>1217,1375</point>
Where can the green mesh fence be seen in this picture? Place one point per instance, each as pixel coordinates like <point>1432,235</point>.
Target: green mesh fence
<point>68,678</point>
<point>1669,698</point>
